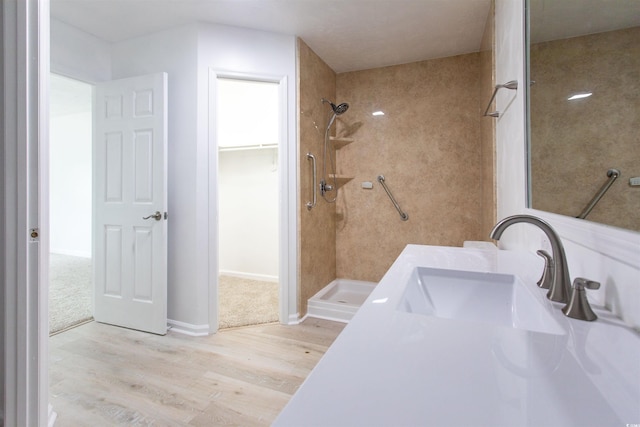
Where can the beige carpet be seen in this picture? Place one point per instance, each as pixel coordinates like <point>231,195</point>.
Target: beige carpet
<point>246,302</point>
<point>69,291</point>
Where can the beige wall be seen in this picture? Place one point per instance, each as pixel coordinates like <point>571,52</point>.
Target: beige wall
<point>575,143</point>
<point>428,148</point>
<point>317,243</point>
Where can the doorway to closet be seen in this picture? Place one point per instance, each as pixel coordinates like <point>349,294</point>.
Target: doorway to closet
<point>248,134</point>
<point>70,194</point>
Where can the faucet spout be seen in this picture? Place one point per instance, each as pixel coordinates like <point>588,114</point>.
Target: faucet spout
<point>561,282</point>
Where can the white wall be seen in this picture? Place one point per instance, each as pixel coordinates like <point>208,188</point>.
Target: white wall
<point>80,55</point>
<point>174,51</point>
<point>70,184</point>
<point>187,54</point>
<point>606,254</point>
<point>248,209</point>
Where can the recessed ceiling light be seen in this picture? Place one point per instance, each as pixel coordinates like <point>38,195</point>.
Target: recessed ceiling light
<point>579,96</point>
<point>378,113</point>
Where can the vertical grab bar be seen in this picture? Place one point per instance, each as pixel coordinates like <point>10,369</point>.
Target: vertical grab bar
<point>311,205</point>
<point>612,175</point>
<point>403,215</point>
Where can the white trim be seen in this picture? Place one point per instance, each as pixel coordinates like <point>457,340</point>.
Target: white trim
<point>295,319</point>
<point>79,254</point>
<point>188,328</point>
<point>287,179</point>
<point>612,242</point>
<point>213,206</point>
<point>25,29</point>
<point>52,416</point>
<point>250,276</point>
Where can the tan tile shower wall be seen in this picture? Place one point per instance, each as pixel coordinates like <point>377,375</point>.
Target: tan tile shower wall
<point>575,143</point>
<point>427,145</point>
<point>317,253</point>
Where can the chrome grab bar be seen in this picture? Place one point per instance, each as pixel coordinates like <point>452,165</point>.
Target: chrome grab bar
<point>612,175</point>
<point>513,85</point>
<point>311,205</point>
<point>403,215</point>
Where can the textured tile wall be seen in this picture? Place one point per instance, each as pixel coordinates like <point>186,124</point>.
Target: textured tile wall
<point>575,143</point>
<point>317,242</point>
<point>427,145</point>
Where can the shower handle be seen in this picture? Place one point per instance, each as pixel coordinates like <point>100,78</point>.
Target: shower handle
<point>324,187</point>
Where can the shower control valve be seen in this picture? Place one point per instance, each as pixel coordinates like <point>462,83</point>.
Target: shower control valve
<point>324,187</point>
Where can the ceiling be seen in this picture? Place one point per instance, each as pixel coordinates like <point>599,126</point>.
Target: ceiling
<point>554,19</point>
<point>350,34</point>
<point>347,34</point>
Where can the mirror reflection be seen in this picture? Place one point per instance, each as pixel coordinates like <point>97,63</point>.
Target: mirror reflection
<point>584,100</point>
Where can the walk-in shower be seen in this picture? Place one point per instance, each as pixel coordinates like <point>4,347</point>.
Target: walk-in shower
<point>329,153</point>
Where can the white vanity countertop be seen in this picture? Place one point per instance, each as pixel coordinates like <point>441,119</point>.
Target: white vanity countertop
<point>393,368</point>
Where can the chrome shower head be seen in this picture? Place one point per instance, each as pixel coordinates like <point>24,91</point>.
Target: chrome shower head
<point>337,109</point>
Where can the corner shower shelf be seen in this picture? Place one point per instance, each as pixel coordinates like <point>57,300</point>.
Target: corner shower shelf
<point>340,179</point>
<point>339,142</point>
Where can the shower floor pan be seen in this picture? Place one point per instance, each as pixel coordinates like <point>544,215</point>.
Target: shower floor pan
<point>339,300</point>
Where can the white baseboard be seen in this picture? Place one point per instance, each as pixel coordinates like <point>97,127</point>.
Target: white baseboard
<point>188,328</point>
<point>52,416</point>
<point>80,254</point>
<point>251,276</point>
<point>295,319</point>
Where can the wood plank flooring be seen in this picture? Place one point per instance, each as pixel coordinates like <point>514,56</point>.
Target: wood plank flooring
<point>103,375</point>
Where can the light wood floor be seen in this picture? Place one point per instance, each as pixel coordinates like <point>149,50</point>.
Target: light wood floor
<point>103,375</point>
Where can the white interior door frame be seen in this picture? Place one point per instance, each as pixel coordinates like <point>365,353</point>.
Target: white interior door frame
<point>287,188</point>
<point>25,77</point>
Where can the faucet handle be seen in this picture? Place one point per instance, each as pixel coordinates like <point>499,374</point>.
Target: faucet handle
<point>578,307</point>
<point>547,274</point>
<point>582,283</point>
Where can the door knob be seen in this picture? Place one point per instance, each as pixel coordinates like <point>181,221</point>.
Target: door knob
<point>157,216</point>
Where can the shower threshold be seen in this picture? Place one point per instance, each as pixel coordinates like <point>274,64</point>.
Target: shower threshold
<point>339,300</point>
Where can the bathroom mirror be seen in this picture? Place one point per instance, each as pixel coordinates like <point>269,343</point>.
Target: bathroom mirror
<point>584,109</point>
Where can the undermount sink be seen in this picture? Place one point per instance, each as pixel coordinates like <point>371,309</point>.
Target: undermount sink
<point>501,299</point>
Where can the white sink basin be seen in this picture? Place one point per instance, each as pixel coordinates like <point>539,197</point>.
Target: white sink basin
<point>475,296</point>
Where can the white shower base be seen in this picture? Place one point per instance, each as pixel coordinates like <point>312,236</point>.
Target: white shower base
<point>339,300</point>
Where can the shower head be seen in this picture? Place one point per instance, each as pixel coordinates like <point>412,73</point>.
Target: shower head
<point>337,109</point>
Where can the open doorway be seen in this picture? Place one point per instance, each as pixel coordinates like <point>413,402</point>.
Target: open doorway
<point>70,190</point>
<point>248,134</point>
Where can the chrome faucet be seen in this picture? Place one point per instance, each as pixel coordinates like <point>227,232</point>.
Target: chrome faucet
<point>561,282</point>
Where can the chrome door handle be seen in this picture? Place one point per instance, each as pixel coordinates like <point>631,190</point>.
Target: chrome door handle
<point>157,216</point>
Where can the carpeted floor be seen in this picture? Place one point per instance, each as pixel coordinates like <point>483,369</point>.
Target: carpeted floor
<point>69,292</point>
<point>246,302</point>
<point>241,301</point>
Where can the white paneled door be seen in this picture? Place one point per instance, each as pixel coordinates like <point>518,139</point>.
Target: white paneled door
<point>130,203</point>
